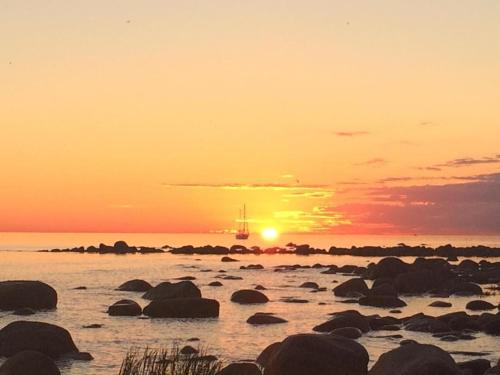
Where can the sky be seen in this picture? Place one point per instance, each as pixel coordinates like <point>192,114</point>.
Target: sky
<point>322,116</point>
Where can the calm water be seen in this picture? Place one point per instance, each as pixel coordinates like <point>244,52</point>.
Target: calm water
<point>229,337</point>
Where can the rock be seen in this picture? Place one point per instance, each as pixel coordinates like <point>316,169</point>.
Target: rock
<point>46,338</point>
<point>260,319</point>
<point>349,318</point>
<point>440,304</point>
<point>349,332</point>
<point>351,287</point>
<point>136,285</point>
<point>494,370</point>
<point>479,305</point>
<point>167,290</point>
<point>182,308</point>
<point>294,300</point>
<point>228,259</point>
<point>389,267</point>
<point>419,281</point>
<point>240,368</point>
<point>93,326</point>
<point>80,288</point>
<point>215,283</point>
<point>383,290</point>
<point>381,301</point>
<point>249,296</point>
<point>188,350</point>
<point>466,289</point>
<point>260,287</point>
<point>310,285</point>
<point>125,307</point>
<point>31,294</point>
<point>29,362</point>
<point>319,355</point>
<point>415,359</point>
<point>493,326</point>
<point>24,311</point>
<point>475,366</point>
<point>267,353</point>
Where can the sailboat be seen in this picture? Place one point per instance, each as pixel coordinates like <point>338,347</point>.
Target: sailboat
<point>243,233</point>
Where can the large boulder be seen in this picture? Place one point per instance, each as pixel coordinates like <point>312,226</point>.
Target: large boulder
<point>29,362</point>
<point>475,367</point>
<point>183,308</point>
<point>125,307</point>
<point>415,359</point>
<point>492,327</point>
<point>351,287</point>
<point>167,290</point>
<point>349,332</point>
<point>249,296</point>
<point>306,354</point>
<point>240,368</point>
<point>136,285</point>
<point>32,294</point>
<point>349,318</point>
<point>419,281</point>
<point>49,339</point>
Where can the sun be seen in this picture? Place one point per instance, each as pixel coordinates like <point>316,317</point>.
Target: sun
<point>269,234</point>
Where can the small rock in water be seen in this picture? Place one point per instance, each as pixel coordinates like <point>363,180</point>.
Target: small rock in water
<point>93,326</point>
<point>24,311</point>
<point>189,350</point>
<point>440,304</point>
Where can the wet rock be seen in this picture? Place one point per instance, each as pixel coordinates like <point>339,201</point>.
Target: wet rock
<point>252,267</point>
<point>465,289</point>
<point>415,359</point>
<point>80,288</point>
<point>240,368</point>
<point>29,362</point>
<point>215,283</point>
<point>167,290</point>
<point>136,285</point>
<point>349,332</point>
<point>440,304</point>
<point>125,307</point>
<point>377,322</point>
<point>318,355</point>
<point>260,287</point>
<point>349,318</point>
<point>479,305</point>
<point>19,294</point>
<point>419,281</point>
<point>264,319</point>
<point>383,290</point>
<point>183,308</point>
<point>310,285</point>
<point>92,326</point>
<point>382,301</point>
<point>352,287</point>
<point>228,259</point>
<point>249,296</point>
<point>49,339</point>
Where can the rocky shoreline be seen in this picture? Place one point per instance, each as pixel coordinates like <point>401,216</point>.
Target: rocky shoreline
<point>447,251</point>
<point>332,349</point>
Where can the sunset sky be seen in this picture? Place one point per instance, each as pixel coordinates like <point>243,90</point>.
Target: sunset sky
<point>322,116</point>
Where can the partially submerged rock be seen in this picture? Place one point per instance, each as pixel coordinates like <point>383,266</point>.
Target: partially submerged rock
<point>36,295</point>
<point>183,308</point>
<point>136,285</point>
<point>249,296</point>
<point>167,290</point>
<point>29,362</point>
<point>125,307</point>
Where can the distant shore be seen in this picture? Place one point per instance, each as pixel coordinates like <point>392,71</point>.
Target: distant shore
<point>446,251</point>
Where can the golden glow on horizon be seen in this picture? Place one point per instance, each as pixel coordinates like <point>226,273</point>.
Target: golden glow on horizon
<point>269,234</point>
<point>167,123</point>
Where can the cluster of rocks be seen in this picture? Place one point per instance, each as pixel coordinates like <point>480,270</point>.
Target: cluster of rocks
<point>446,251</point>
<point>168,300</point>
<point>119,247</point>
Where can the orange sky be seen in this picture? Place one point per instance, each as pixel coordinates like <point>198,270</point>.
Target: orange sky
<point>324,116</point>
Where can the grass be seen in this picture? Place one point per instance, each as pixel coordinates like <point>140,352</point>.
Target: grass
<point>168,362</point>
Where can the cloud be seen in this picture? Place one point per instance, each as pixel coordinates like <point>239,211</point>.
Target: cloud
<point>464,162</point>
<point>351,133</point>
<point>374,161</point>
<point>237,186</point>
<point>459,208</point>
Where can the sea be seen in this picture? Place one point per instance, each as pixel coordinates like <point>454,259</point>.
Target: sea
<point>229,337</point>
